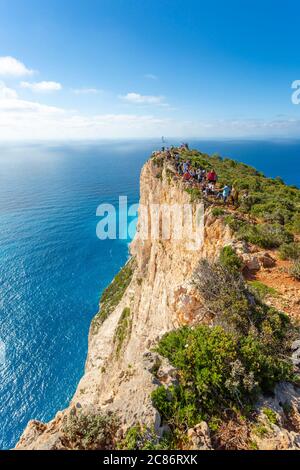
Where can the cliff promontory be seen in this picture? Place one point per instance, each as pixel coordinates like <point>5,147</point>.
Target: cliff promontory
<point>195,345</point>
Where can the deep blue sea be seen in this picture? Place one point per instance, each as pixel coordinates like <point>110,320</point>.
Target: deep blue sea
<point>53,267</point>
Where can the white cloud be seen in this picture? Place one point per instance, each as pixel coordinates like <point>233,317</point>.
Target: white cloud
<point>151,76</point>
<point>11,67</point>
<point>30,120</point>
<point>11,103</point>
<point>86,91</point>
<point>41,87</point>
<point>136,98</point>
<point>7,93</point>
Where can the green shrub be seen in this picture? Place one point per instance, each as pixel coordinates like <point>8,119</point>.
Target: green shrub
<point>229,259</point>
<point>295,270</point>
<point>271,415</point>
<point>234,223</point>
<point>265,235</point>
<point>294,224</point>
<point>262,290</point>
<point>142,438</point>
<point>217,212</point>
<point>289,251</point>
<point>113,294</point>
<point>123,329</point>
<point>218,370</point>
<point>230,304</point>
<point>90,431</point>
<point>195,194</point>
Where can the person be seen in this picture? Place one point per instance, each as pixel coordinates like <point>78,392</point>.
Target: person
<point>234,195</point>
<point>187,176</point>
<point>192,173</point>
<point>185,167</point>
<point>179,168</point>
<point>205,189</point>
<point>199,175</point>
<point>226,193</point>
<point>245,195</point>
<point>211,188</point>
<point>212,177</point>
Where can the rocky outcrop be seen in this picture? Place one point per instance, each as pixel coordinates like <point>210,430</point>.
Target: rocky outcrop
<point>199,437</point>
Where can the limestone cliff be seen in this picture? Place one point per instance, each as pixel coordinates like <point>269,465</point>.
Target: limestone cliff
<point>160,297</point>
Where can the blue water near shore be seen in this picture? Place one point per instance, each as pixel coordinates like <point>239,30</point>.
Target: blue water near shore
<point>53,267</point>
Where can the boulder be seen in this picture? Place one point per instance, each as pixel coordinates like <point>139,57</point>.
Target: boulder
<point>266,260</point>
<point>167,374</point>
<point>199,437</point>
<point>251,262</point>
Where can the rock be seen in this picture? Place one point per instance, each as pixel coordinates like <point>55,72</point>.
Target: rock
<point>199,437</point>
<point>151,361</point>
<point>251,262</point>
<point>295,345</point>
<point>167,374</point>
<point>266,260</point>
<point>279,436</point>
<point>281,439</point>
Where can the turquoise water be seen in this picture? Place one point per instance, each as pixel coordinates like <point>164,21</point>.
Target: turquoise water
<point>53,267</point>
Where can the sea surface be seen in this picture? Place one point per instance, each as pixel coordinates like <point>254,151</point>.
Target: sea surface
<point>53,267</point>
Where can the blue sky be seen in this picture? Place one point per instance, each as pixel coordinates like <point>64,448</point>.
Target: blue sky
<point>143,68</point>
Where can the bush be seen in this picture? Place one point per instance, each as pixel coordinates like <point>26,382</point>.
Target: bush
<point>271,415</point>
<point>234,223</point>
<point>295,270</point>
<point>289,251</point>
<point>90,431</point>
<point>217,212</point>
<point>265,235</point>
<point>123,329</point>
<point>218,370</point>
<point>228,300</point>
<point>262,290</point>
<point>224,295</point>
<point>229,259</point>
<point>195,194</point>
<point>113,294</point>
<point>142,438</point>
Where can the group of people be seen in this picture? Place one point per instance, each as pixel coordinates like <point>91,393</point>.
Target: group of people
<point>207,182</point>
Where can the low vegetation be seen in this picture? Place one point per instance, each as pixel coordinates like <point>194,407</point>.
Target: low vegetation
<point>142,438</point>
<point>289,251</point>
<point>268,213</point>
<point>217,212</point>
<point>123,329</point>
<point>229,259</point>
<point>295,270</point>
<point>261,290</point>
<point>90,431</point>
<point>113,294</point>
<point>226,366</point>
<point>263,235</point>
